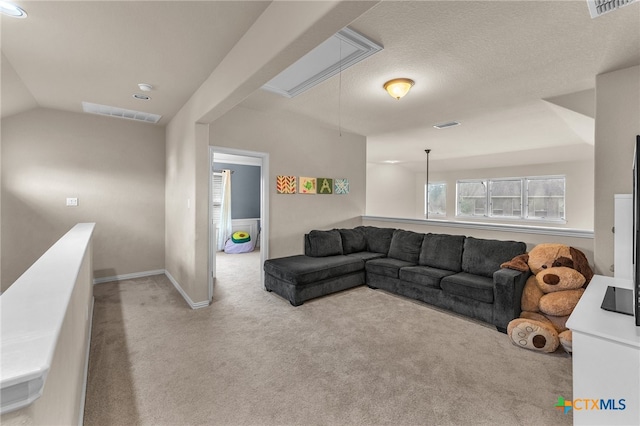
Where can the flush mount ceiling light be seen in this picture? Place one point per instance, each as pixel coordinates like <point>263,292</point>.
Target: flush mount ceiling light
<point>398,87</point>
<point>10,9</point>
<point>145,87</point>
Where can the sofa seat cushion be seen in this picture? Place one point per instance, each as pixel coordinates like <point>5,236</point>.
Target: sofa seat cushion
<point>424,275</point>
<point>367,255</point>
<point>386,266</point>
<point>468,285</point>
<point>301,269</point>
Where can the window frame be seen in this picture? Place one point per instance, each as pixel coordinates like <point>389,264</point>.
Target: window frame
<point>426,194</point>
<point>524,199</point>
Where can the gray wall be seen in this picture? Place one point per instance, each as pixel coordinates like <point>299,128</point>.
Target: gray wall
<point>116,169</point>
<point>245,190</point>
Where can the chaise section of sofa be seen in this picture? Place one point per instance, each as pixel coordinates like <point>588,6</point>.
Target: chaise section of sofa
<point>454,272</point>
<point>324,269</point>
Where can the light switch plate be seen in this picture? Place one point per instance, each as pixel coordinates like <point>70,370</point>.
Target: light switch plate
<point>72,202</point>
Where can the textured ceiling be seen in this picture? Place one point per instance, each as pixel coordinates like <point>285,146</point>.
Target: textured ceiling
<point>98,51</point>
<point>518,75</point>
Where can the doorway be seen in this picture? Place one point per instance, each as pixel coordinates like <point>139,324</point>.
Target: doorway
<point>244,162</point>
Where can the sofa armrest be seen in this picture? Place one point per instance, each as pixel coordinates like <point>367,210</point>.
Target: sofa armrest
<point>507,293</point>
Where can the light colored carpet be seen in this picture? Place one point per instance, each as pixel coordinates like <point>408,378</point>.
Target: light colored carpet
<point>359,357</point>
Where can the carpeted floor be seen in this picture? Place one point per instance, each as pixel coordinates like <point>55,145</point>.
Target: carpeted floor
<point>359,357</point>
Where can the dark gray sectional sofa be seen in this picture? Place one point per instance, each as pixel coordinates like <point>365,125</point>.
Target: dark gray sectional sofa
<point>454,272</point>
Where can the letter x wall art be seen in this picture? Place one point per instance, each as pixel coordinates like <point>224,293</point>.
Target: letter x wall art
<point>311,185</point>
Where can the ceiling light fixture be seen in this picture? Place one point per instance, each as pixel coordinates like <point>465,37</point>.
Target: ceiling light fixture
<point>10,9</point>
<point>145,87</point>
<point>141,97</point>
<point>398,87</point>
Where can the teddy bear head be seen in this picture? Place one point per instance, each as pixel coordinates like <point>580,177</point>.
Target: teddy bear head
<point>554,255</point>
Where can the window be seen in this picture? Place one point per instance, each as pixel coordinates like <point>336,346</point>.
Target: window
<point>531,198</point>
<point>472,198</point>
<point>437,200</point>
<point>545,198</point>
<point>505,198</point>
<point>216,196</point>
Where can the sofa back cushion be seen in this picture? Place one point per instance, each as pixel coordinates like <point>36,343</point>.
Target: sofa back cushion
<point>323,243</point>
<point>378,239</point>
<point>442,251</point>
<point>483,257</point>
<point>353,240</point>
<point>405,245</point>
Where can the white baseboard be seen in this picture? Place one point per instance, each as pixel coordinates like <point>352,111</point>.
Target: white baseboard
<point>194,305</point>
<point>128,276</point>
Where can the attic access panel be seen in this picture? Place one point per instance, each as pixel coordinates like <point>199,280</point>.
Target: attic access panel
<point>323,62</point>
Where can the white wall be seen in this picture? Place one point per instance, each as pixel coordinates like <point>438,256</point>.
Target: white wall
<point>617,124</point>
<point>391,191</point>
<point>298,147</point>
<point>245,69</point>
<point>114,167</point>
<point>394,199</point>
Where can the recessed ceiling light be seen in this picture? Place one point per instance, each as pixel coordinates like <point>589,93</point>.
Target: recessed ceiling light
<point>141,96</point>
<point>10,9</point>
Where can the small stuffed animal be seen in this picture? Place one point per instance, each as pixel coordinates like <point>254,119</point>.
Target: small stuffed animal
<point>560,274</point>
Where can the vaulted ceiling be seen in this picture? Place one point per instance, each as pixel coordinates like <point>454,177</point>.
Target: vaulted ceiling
<point>518,75</point>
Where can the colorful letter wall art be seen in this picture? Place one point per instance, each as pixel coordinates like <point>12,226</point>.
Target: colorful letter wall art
<point>310,185</point>
<point>325,186</point>
<point>286,184</point>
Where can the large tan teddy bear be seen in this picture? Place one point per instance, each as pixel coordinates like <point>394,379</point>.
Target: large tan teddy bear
<point>559,276</point>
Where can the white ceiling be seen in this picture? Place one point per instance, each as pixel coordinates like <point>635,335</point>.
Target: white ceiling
<point>518,75</point>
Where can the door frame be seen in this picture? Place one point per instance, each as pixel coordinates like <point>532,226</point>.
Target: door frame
<point>264,210</point>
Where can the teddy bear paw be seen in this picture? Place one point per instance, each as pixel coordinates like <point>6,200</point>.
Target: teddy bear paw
<point>534,335</point>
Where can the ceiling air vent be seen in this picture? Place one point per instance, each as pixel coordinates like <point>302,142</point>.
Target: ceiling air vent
<point>600,7</point>
<point>120,112</point>
<point>446,125</point>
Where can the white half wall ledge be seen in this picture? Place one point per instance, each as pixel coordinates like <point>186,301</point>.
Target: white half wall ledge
<point>33,317</point>
<point>525,229</point>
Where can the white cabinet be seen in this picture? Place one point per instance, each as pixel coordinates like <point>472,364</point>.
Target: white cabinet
<point>606,359</point>
<point>623,246</point>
